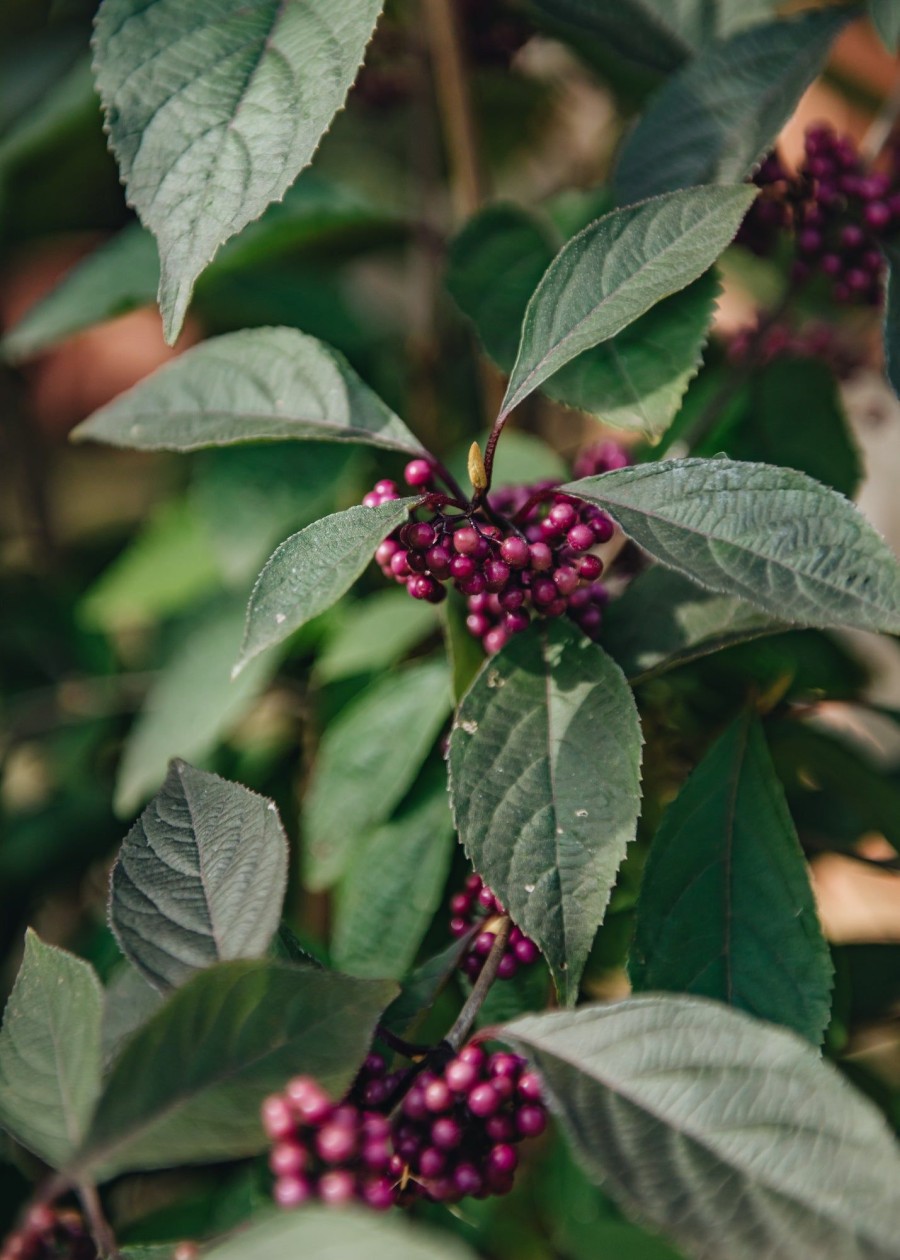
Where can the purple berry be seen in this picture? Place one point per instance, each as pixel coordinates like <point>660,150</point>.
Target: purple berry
<point>460,1076</point>
<point>483,1100</point>
<point>502,1158</point>
<point>290,1192</point>
<point>495,640</point>
<point>467,1179</point>
<point>420,535</point>
<point>336,1143</point>
<point>526,951</point>
<point>446,1133</point>
<point>336,1188</point>
<point>541,557</point>
<point>580,537</point>
<point>378,1193</point>
<point>529,1086</point>
<point>309,1100</point>
<point>432,1162</point>
<point>277,1117</point>
<point>515,552</point>
<point>565,579</point>
<point>531,1120</point>
<point>496,574</point>
<point>507,967</point>
<point>462,567</point>
<point>438,1096</point>
<point>418,472</point>
<point>563,514</point>
<point>287,1158</point>
<point>465,541</point>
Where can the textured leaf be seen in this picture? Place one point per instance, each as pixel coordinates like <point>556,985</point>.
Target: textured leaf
<point>377,632</point>
<point>188,1086</point>
<point>726,909</point>
<point>663,620</point>
<point>716,118</point>
<point>258,384</point>
<point>191,705</point>
<point>635,380</point>
<point>886,16</point>
<point>50,1051</point>
<point>319,1233</point>
<point>728,1134</point>
<point>615,271</point>
<point>218,105</point>
<point>200,877</point>
<point>658,34</point>
<point>545,786</point>
<point>118,277</point>
<point>769,535</point>
<point>389,893</point>
<point>422,986</point>
<point>367,760</point>
<point>311,570</point>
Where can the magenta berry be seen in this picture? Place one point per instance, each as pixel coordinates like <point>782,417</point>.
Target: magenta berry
<point>418,473</point>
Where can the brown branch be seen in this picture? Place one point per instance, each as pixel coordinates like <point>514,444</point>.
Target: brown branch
<point>455,106</point>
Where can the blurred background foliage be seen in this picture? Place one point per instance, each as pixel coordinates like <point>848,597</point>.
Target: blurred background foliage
<point>123,577</point>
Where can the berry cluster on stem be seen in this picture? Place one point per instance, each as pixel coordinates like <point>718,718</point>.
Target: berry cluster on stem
<point>839,210</point>
<point>478,905</point>
<point>50,1233</point>
<point>520,552</point>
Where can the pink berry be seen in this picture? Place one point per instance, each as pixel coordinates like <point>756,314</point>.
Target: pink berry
<point>337,1187</point>
<point>531,1119</point>
<point>460,1076</point>
<point>541,557</point>
<point>290,1192</point>
<point>277,1117</point>
<point>495,640</point>
<point>465,541</point>
<point>378,1193</point>
<point>287,1158</point>
<point>418,472</point>
<point>515,552</point>
<point>580,537</point>
<point>483,1100</point>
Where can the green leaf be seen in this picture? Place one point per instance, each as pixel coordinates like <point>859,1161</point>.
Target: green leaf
<point>659,34</point>
<point>726,909</point>
<point>795,419</point>
<point>892,320</point>
<point>311,570</point>
<point>192,703</point>
<point>199,879</point>
<point>635,380</point>
<point>663,620</point>
<point>116,278</point>
<point>166,568</point>
<point>421,988</point>
<point>615,271</point>
<point>730,1135</point>
<point>376,633</point>
<point>50,1051</point>
<point>249,386</point>
<point>465,653</point>
<point>188,1086</point>
<point>128,1002</point>
<point>714,120</point>
<point>320,1233</point>
<point>218,104</point>
<point>886,16</point>
<point>68,101</point>
<point>389,893</point>
<point>367,760</point>
<point>545,786</point>
<point>769,535</point>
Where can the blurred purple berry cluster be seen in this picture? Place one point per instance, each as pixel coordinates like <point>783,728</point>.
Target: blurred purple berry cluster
<point>458,1129</point>
<point>477,905</point>
<point>839,210</point>
<point>453,1134</point>
<point>50,1233</point>
<point>824,342</point>
<point>538,561</point>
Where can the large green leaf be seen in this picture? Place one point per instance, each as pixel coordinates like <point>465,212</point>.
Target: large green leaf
<point>368,758</point>
<point>188,1085</point>
<point>886,16</point>
<point>214,109</point>
<point>390,891</point>
<point>545,786</point>
<point>320,1233</point>
<point>192,704</point>
<point>50,1051</point>
<point>769,535</point>
<point>375,634</point>
<point>635,380</point>
<point>728,1134</point>
<point>311,570</point>
<point>615,271</point>
<point>663,620</point>
<point>200,877</point>
<point>258,384</point>
<point>718,116</point>
<point>726,909</point>
<point>658,34</point>
<point>128,1002</point>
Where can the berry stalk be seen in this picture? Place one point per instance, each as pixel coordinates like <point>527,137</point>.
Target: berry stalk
<point>459,1032</point>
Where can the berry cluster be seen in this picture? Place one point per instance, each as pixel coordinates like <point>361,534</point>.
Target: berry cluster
<point>538,560</point>
<point>824,342</point>
<point>458,1129</point>
<point>840,211</point>
<point>477,904</point>
<point>50,1233</point>
<point>335,1152</point>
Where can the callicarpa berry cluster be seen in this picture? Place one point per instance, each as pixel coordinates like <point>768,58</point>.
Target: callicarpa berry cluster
<point>453,1134</point>
<point>50,1233</point>
<point>528,551</point>
<point>839,211</point>
<point>478,905</point>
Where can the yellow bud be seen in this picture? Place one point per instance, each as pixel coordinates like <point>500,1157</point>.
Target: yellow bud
<point>477,473</point>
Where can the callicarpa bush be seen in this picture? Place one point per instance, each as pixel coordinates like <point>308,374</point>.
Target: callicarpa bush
<point>510,819</point>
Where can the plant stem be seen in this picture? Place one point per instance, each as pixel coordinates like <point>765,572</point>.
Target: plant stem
<point>455,105</point>
<point>486,977</point>
<point>101,1230</point>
